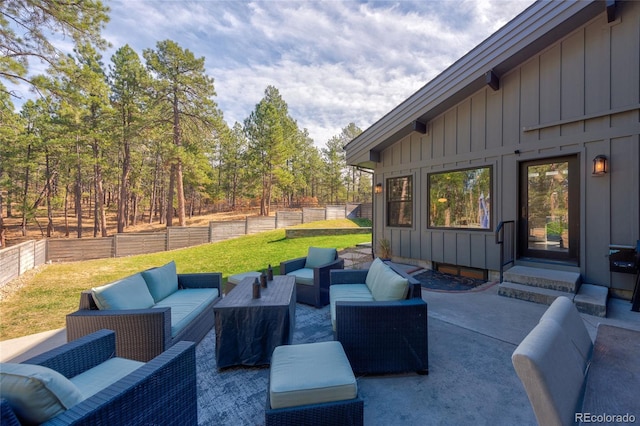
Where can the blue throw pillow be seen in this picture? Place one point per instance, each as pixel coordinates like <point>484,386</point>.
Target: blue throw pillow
<point>319,256</point>
<point>128,293</point>
<point>37,393</point>
<point>162,281</point>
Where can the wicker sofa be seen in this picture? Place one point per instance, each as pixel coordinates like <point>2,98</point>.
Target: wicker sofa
<point>387,334</point>
<point>149,311</point>
<point>159,392</point>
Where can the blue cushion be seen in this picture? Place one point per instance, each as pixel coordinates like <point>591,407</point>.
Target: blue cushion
<point>161,281</point>
<point>128,293</point>
<point>347,293</point>
<point>376,268</point>
<point>37,393</point>
<point>310,373</point>
<point>187,304</point>
<point>319,257</point>
<point>389,285</point>
<point>104,375</point>
<point>302,276</point>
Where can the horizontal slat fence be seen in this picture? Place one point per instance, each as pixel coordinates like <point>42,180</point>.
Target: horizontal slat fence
<point>140,243</point>
<point>186,236</point>
<point>20,258</point>
<point>68,250</point>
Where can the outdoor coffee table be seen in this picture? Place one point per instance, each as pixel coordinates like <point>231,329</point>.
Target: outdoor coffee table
<point>248,329</point>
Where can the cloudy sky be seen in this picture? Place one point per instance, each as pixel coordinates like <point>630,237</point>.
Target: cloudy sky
<point>334,62</point>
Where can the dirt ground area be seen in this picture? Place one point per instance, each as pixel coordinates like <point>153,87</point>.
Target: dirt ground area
<point>36,229</point>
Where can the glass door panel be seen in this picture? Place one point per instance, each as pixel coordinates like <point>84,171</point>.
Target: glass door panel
<point>548,208</point>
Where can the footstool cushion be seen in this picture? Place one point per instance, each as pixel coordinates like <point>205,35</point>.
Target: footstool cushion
<point>235,279</point>
<point>312,383</point>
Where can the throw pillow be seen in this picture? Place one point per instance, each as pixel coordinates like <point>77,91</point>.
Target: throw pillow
<point>377,266</point>
<point>319,256</point>
<point>36,393</point>
<point>162,281</point>
<point>128,293</point>
<point>389,286</point>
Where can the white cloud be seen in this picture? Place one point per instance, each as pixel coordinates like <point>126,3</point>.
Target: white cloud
<point>334,62</point>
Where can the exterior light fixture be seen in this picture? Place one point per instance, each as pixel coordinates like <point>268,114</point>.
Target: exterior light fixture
<point>378,189</point>
<point>600,165</point>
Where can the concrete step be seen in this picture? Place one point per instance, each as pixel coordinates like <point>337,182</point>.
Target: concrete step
<point>592,299</point>
<point>529,293</point>
<point>567,282</point>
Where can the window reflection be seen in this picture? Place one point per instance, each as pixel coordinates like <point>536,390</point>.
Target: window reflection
<point>460,199</point>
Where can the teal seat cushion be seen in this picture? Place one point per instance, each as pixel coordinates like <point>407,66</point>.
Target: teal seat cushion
<point>347,293</point>
<point>35,393</point>
<point>104,375</point>
<point>302,276</point>
<point>237,278</point>
<point>128,293</point>
<point>310,373</point>
<point>319,256</point>
<point>186,304</point>
<point>161,281</point>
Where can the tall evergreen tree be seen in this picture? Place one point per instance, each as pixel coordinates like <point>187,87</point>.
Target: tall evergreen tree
<point>129,95</point>
<point>185,97</point>
<point>271,133</point>
<point>25,26</point>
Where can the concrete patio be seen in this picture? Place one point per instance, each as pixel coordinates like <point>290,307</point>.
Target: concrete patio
<point>471,379</point>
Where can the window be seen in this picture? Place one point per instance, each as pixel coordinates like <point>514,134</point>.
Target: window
<point>400,201</point>
<point>460,199</point>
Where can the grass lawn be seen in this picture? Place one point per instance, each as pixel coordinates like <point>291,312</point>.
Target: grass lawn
<point>53,291</point>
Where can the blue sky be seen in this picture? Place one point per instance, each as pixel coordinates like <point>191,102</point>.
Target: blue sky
<point>334,62</point>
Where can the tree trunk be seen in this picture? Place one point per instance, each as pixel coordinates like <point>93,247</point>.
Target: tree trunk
<point>126,169</point>
<point>100,220</point>
<point>23,225</point>
<point>50,227</point>
<point>78,190</point>
<point>169,212</point>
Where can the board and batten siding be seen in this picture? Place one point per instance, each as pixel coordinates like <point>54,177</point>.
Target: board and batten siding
<point>579,96</point>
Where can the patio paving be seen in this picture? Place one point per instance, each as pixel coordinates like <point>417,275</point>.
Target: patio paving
<point>471,379</point>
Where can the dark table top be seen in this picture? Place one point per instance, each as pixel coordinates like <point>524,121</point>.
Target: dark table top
<point>613,380</point>
<point>278,293</point>
<point>248,329</point>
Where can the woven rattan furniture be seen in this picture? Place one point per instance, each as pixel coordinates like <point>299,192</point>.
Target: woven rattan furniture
<point>160,392</point>
<point>312,283</point>
<point>239,318</point>
<point>142,334</point>
<point>382,336</point>
<point>305,386</point>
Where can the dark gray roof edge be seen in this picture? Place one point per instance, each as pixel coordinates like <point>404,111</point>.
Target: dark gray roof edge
<point>538,20</point>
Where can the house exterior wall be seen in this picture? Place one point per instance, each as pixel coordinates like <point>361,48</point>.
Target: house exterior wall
<point>579,96</point>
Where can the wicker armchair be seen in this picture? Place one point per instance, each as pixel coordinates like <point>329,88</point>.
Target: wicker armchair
<point>312,284</point>
<point>161,392</point>
<point>382,337</point>
<point>142,334</point>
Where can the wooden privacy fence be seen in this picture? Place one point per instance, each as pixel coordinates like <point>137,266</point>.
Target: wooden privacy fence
<point>16,260</point>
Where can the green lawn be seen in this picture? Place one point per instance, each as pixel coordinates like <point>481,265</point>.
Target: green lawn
<point>54,290</point>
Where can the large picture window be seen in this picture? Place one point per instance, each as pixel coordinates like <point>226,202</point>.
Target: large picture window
<point>460,199</point>
<point>400,201</point>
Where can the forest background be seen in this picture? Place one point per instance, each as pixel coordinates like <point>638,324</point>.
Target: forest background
<point>141,139</point>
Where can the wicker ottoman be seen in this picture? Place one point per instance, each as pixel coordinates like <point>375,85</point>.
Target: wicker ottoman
<point>312,384</point>
<point>234,280</point>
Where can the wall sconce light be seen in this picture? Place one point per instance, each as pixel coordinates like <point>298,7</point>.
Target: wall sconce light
<point>600,166</point>
<point>378,189</point>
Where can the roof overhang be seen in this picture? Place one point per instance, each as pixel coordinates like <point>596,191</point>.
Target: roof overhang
<point>540,25</point>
